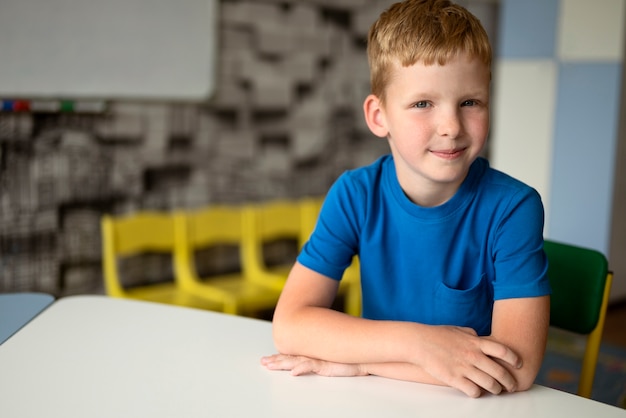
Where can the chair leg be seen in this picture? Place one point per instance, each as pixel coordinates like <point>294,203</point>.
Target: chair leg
<point>592,349</point>
<point>230,307</point>
<point>353,300</point>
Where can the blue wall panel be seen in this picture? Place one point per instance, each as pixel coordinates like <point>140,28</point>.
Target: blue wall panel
<point>584,145</point>
<point>529,29</point>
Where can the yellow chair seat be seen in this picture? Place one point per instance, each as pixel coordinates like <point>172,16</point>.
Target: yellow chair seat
<point>169,293</point>
<point>234,293</point>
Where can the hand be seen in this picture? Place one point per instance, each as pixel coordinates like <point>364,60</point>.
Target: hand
<point>459,358</point>
<point>299,365</point>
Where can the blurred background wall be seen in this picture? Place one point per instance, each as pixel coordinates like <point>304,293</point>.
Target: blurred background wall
<point>558,107</point>
<point>286,120</point>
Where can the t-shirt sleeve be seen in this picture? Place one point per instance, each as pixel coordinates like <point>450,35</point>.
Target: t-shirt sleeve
<point>334,240</point>
<point>519,260</point>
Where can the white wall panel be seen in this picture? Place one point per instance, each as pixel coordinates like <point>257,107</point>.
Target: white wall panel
<point>522,129</point>
<point>591,30</point>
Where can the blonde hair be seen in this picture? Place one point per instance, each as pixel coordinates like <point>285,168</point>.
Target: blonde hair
<point>428,31</point>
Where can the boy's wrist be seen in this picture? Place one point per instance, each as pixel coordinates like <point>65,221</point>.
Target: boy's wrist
<point>362,370</point>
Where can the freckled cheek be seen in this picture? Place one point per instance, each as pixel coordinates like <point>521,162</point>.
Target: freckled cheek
<point>479,128</point>
<point>412,132</point>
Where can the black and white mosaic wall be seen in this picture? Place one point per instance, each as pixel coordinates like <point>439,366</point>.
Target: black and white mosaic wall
<point>285,121</point>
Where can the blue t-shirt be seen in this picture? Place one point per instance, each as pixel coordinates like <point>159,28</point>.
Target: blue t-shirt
<point>441,265</point>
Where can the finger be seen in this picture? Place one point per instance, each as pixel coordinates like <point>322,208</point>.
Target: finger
<point>501,352</point>
<point>281,362</point>
<point>493,376</point>
<point>467,330</point>
<point>274,358</point>
<point>467,386</point>
<point>305,367</point>
<point>268,359</point>
<point>486,382</point>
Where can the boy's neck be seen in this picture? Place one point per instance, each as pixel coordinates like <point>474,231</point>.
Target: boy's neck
<point>428,193</point>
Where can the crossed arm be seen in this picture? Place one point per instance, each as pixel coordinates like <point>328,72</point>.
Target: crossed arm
<point>312,338</point>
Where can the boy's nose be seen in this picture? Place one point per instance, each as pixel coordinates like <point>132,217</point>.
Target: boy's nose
<point>449,124</point>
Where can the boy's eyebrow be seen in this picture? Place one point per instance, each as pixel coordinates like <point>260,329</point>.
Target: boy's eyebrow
<point>463,94</point>
<point>480,92</point>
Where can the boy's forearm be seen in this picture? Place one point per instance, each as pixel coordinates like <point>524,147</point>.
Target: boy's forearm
<point>522,324</point>
<point>305,325</point>
<point>525,375</point>
<point>400,371</point>
<point>333,336</point>
<point>443,355</point>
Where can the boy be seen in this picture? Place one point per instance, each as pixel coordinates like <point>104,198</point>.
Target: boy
<point>453,272</point>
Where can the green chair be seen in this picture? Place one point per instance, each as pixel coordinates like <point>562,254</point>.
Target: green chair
<point>581,282</point>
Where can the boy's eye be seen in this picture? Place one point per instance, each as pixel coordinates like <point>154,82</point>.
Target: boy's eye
<point>421,105</point>
<point>468,103</point>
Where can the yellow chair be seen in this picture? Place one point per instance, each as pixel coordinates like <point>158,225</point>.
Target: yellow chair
<point>352,293</point>
<point>310,208</point>
<point>137,235</point>
<point>581,283</point>
<point>211,227</point>
<point>292,220</point>
<point>267,223</point>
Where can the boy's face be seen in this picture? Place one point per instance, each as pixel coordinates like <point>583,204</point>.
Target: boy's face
<point>436,119</point>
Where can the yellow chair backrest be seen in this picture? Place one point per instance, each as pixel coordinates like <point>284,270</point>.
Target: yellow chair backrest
<point>309,211</point>
<point>211,226</point>
<point>214,227</point>
<point>132,235</point>
<point>265,223</point>
<point>141,232</point>
<point>274,220</point>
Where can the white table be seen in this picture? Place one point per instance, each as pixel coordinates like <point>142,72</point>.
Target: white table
<point>17,309</point>
<point>92,356</point>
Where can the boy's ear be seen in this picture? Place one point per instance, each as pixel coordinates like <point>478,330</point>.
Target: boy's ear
<point>375,116</point>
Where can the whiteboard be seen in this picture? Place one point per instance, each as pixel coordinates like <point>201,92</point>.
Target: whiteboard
<point>108,49</point>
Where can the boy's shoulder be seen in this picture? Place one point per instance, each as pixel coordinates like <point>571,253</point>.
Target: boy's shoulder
<point>363,181</point>
<point>497,186</point>
<point>497,178</point>
<point>373,167</point>
<point>370,172</point>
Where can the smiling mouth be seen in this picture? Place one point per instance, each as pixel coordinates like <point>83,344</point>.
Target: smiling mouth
<point>448,154</point>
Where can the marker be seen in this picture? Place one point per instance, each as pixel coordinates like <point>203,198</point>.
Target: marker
<point>89,106</point>
<point>66,106</point>
<point>53,106</point>
<point>45,106</point>
<point>21,106</point>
